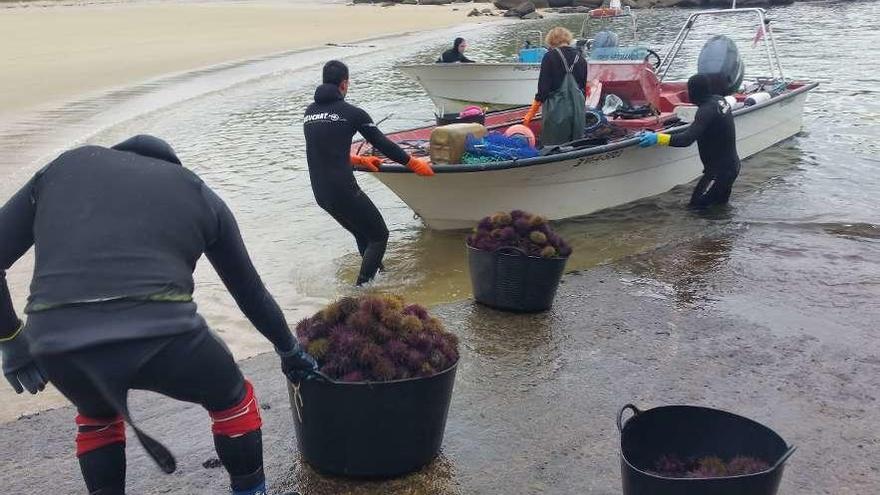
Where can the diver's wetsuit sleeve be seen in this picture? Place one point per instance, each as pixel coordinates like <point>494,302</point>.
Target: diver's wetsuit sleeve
<point>228,255</point>
<point>365,126</point>
<point>16,237</point>
<point>705,114</point>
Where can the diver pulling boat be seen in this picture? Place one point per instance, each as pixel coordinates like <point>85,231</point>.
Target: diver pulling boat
<point>587,175</point>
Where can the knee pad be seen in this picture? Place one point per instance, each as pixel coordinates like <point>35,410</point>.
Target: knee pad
<point>94,433</point>
<point>240,419</point>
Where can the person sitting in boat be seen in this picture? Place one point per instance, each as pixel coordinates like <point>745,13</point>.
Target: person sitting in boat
<point>456,53</point>
<point>117,233</point>
<point>561,90</point>
<point>329,125</point>
<point>714,131</point>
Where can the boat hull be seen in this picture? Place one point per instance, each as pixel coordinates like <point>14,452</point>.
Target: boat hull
<point>452,87</point>
<point>577,186</point>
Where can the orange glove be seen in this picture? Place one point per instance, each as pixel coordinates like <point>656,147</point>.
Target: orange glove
<point>536,105</point>
<point>370,163</point>
<point>420,166</point>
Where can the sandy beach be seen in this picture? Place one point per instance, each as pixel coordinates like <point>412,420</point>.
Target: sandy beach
<point>52,54</point>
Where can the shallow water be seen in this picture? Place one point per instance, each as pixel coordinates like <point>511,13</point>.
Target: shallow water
<point>809,203</point>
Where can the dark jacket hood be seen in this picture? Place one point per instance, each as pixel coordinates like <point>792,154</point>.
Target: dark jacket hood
<point>150,147</point>
<point>699,89</point>
<point>327,93</point>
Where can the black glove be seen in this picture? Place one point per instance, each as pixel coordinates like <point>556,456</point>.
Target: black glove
<point>297,364</point>
<point>19,367</point>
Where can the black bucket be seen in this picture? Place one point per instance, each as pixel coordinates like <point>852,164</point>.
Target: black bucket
<point>510,280</point>
<point>371,429</point>
<point>693,432</point>
<point>454,118</point>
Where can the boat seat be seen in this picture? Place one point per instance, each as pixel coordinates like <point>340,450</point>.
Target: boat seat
<point>632,80</point>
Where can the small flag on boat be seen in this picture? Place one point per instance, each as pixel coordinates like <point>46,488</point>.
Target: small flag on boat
<point>759,35</point>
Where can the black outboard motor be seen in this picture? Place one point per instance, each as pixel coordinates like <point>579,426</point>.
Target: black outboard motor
<point>721,61</point>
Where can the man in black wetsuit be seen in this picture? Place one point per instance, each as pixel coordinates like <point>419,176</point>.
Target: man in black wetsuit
<point>455,54</point>
<point>117,234</point>
<point>715,133</point>
<point>329,125</point>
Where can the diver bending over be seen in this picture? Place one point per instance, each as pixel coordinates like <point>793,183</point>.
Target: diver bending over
<point>117,234</point>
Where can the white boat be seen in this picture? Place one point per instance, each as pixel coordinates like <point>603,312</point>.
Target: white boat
<point>495,86</point>
<point>584,179</point>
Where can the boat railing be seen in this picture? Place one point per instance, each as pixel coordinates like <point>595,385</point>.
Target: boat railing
<point>766,33</point>
<point>627,13</point>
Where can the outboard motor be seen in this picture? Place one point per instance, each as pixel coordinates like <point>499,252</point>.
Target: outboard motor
<point>605,39</point>
<point>721,61</point>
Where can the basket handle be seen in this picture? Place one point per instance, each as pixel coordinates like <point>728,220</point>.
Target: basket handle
<point>635,410</point>
<point>784,457</point>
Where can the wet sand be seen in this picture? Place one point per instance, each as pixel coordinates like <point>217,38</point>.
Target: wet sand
<point>536,399</point>
<point>51,54</point>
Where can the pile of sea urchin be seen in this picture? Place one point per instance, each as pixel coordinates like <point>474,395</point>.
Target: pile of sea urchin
<point>377,338</point>
<point>528,233</point>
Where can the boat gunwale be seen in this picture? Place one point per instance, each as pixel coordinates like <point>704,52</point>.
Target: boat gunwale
<point>580,153</point>
<point>446,66</point>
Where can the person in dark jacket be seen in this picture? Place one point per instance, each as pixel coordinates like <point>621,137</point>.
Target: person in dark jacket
<point>329,125</point>
<point>455,54</point>
<point>560,56</point>
<point>714,131</point>
<point>117,234</point>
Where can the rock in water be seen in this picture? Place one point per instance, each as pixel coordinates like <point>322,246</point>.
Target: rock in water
<point>532,16</point>
<point>561,3</point>
<point>474,13</point>
<point>587,3</point>
<point>512,4</point>
<point>435,2</point>
<point>523,9</point>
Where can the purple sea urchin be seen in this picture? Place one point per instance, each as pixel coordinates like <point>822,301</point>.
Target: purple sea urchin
<point>538,238</point>
<point>672,466</point>
<point>377,338</point>
<point>520,230</point>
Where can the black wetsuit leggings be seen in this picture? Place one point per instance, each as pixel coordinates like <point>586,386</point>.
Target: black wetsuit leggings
<point>358,215</point>
<point>713,189</point>
<point>193,367</point>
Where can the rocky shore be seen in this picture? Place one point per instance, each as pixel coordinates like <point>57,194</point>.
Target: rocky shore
<point>528,9</point>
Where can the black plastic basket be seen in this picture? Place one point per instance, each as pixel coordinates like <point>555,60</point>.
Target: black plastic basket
<point>371,429</point>
<point>510,280</point>
<point>693,432</point>
<point>454,118</point>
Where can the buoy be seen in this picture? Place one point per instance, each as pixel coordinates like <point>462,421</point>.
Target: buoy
<point>471,111</point>
<point>521,131</point>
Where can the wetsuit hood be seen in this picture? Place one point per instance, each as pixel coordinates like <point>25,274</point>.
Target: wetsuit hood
<point>149,146</point>
<point>699,89</point>
<point>327,93</point>
<point>457,43</point>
